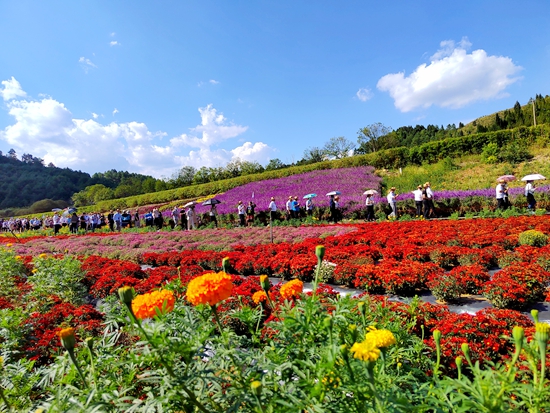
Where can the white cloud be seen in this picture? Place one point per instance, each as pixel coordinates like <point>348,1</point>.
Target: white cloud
<point>453,78</point>
<point>45,128</point>
<point>112,34</point>
<point>114,43</point>
<point>11,89</point>
<point>213,129</point>
<point>214,82</point>
<point>364,94</point>
<point>86,64</point>
<point>115,111</point>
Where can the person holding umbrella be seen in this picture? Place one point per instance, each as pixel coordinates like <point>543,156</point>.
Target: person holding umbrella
<point>309,206</point>
<point>214,214</point>
<point>502,194</point>
<point>530,189</point>
<point>369,203</point>
<point>530,195</point>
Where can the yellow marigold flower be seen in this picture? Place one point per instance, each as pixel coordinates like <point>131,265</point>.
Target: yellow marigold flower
<point>209,288</point>
<point>9,244</point>
<point>18,257</point>
<point>43,255</point>
<point>145,305</point>
<point>292,289</point>
<point>67,338</point>
<point>259,296</point>
<point>380,338</point>
<point>34,271</point>
<point>365,351</point>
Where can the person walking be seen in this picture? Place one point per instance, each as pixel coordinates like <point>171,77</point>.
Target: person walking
<point>111,220</point>
<point>272,210</point>
<point>213,215</point>
<point>426,201</point>
<point>332,209</point>
<point>183,219</point>
<point>296,208</point>
<point>392,202</point>
<point>56,223</point>
<point>502,194</point>
<point>309,207</point>
<point>369,203</point>
<point>175,216</point>
<point>241,211</point>
<point>418,200</point>
<point>289,210</point>
<point>191,224</point>
<point>137,222</point>
<point>530,195</point>
<point>117,217</point>
<point>430,195</point>
<point>250,213</point>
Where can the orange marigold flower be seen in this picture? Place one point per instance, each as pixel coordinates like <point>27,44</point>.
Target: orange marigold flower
<point>67,338</point>
<point>145,305</point>
<point>259,296</point>
<point>209,288</point>
<point>292,289</point>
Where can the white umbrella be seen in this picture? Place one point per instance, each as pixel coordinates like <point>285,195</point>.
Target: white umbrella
<point>533,177</point>
<point>190,204</point>
<point>334,193</point>
<point>370,192</point>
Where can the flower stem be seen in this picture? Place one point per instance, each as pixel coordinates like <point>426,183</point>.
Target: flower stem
<point>75,362</point>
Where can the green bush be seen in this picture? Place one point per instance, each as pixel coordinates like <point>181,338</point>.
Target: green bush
<point>533,238</point>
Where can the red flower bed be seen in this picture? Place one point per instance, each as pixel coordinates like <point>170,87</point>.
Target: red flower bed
<point>484,332</point>
<point>41,341</point>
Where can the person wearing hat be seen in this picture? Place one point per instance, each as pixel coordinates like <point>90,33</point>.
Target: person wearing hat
<point>272,209</point>
<point>241,210</point>
<point>392,201</point>
<point>250,213</point>
<point>289,210</point>
<point>296,207</point>
<point>369,203</point>
<point>502,194</point>
<point>427,199</point>
<point>418,199</point>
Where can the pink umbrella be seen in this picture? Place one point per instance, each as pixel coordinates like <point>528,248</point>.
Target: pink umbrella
<point>506,178</point>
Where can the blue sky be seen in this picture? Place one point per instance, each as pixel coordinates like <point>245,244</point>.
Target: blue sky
<point>150,87</point>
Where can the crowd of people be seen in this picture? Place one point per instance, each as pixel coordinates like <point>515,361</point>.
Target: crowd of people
<point>187,217</point>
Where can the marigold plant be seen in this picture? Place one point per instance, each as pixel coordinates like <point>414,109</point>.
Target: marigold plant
<point>209,288</point>
<point>146,305</point>
<point>259,296</point>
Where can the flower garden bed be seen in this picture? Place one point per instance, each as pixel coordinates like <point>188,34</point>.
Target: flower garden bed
<point>266,348</point>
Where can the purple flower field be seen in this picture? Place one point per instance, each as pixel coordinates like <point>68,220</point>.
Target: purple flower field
<point>351,182</point>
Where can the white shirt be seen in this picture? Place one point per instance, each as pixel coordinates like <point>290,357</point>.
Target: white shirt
<point>500,191</point>
<point>309,204</point>
<point>429,193</point>
<point>272,206</point>
<point>391,197</point>
<point>418,195</point>
<point>529,189</point>
<point>369,201</point>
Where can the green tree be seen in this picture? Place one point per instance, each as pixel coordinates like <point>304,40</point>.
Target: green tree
<point>370,137</point>
<point>339,147</point>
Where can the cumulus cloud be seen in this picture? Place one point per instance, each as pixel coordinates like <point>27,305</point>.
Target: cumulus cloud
<point>214,82</point>
<point>114,43</point>
<point>454,78</point>
<point>115,111</point>
<point>11,89</point>
<point>86,64</point>
<point>364,94</point>
<point>46,128</point>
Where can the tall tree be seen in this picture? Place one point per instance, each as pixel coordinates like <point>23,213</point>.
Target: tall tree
<point>339,147</point>
<point>370,137</point>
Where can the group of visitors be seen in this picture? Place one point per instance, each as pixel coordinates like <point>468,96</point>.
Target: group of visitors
<point>423,199</point>
<point>503,200</point>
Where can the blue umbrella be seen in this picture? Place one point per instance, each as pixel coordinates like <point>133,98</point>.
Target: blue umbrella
<point>308,196</point>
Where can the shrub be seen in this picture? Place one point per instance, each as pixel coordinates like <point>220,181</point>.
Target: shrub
<point>446,287</point>
<point>533,238</point>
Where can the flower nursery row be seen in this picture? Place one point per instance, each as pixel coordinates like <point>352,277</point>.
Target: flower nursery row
<point>219,342</point>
